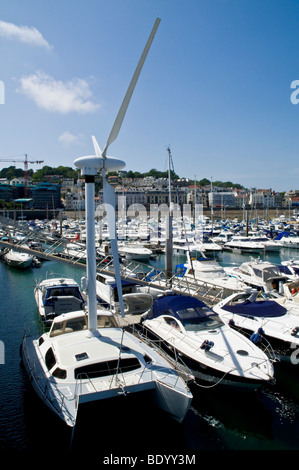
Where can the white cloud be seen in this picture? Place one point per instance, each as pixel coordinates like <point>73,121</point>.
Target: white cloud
<point>26,34</point>
<point>67,139</point>
<point>56,95</point>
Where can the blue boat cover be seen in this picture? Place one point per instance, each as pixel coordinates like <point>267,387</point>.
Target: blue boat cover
<point>171,304</point>
<point>263,308</point>
<point>286,270</point>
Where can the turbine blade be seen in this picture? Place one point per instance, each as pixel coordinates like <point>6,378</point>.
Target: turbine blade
<point>122,111</point>
<point>97,149</point>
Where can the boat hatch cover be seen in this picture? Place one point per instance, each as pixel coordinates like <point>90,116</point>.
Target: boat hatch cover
<point>263,308</point>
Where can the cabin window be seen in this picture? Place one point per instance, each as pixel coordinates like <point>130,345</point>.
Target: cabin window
<point>172,322</point>
<point>196,319</point>
<point>50,359</point>
<point>106,368</point>
<point>59,373</point>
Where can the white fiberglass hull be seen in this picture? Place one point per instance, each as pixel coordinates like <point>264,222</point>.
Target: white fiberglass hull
<point>18,259</point>
<point>233,360</point>
<point>64,396</point>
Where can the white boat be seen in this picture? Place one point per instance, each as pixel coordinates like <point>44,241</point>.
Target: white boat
<point>135,300</point>
<point>68,367</point>
<point>244,244</point>
<point>215,354</point>
<point>290,268</point>
<point>288,239</point>
<point>86,357</point>
<point>258,274</point>
<point>270,244</point>
<point>76,250</point>
<point>223,237</point>
<point>18,259</point>
<point>207,245</point>
<point>262,319</point>
<point>204,270</point>
<point>134,251</point>
<point>55,296</point>
<point>182,246</point>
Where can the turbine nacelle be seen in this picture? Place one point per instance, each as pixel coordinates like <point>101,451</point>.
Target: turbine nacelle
<point>92,164</point>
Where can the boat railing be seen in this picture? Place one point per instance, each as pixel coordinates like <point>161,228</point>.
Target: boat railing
<point>117,378</point>
<point>263,343</point>
<point>161,347</point>
<point>47,391</point>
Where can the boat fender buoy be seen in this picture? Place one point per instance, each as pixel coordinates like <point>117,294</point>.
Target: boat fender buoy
<point>295,331</point>
<point>231,322</point>
<point>256,337</point>
<point>207,345</point>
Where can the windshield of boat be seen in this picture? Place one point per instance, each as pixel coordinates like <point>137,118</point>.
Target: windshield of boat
<point>199,318</point>
<point>267,273</point>
<point>62,291</point>
<point>80,323</point>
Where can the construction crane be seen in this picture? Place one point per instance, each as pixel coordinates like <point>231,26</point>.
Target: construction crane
<point>26,161</point>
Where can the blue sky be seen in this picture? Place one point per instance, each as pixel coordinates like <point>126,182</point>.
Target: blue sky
<point>216,85</point>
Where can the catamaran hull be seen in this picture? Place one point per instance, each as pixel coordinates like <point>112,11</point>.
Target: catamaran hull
<point>66,401</point>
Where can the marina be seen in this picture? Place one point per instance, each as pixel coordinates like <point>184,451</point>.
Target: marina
<point>267,419</point>
<point>147,328</point>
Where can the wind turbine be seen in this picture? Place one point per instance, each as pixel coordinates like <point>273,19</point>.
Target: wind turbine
<point>92,164</point>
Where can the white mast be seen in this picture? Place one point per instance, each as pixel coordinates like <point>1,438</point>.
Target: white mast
<point>90,165</point>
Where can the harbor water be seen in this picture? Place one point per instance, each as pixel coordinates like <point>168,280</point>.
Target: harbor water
<point>264,420</point>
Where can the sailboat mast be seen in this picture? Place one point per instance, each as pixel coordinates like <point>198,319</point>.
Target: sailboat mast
<point>90,249</point>
<point>169,179</point>
<point>168,230</point>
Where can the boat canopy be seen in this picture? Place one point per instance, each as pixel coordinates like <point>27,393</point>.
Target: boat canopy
<point>190,311</point>
<point>53,292</point>
<point>171,304</point>
<point>263,308</point>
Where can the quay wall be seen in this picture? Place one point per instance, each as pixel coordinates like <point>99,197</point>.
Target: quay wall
<point>230,213</point>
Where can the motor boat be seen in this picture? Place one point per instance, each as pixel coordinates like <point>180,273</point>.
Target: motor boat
<point>270,245</point>
<point>223,237</point>
<point>288,239</point>
<point>182,246</point>
<point>262,319</point>
<point>261,275</point>
<point>134,251</point>
<point>207,271</point>
<point>290,268</point>
<point>207,245</point>
<point>215,353</point>
<point>136,300</point>
<point>18,259</point>
<point>58,295</point>
<point>76,250</point>
<point>244,245</point>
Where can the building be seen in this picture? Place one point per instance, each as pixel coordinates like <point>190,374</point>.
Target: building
<point>46,196</point>
<point>5,192</point>
<point>68,184</point>
<point>73,201</point>
<point>291,198</point>
<point>222,199</point>
<point>262,198</point>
